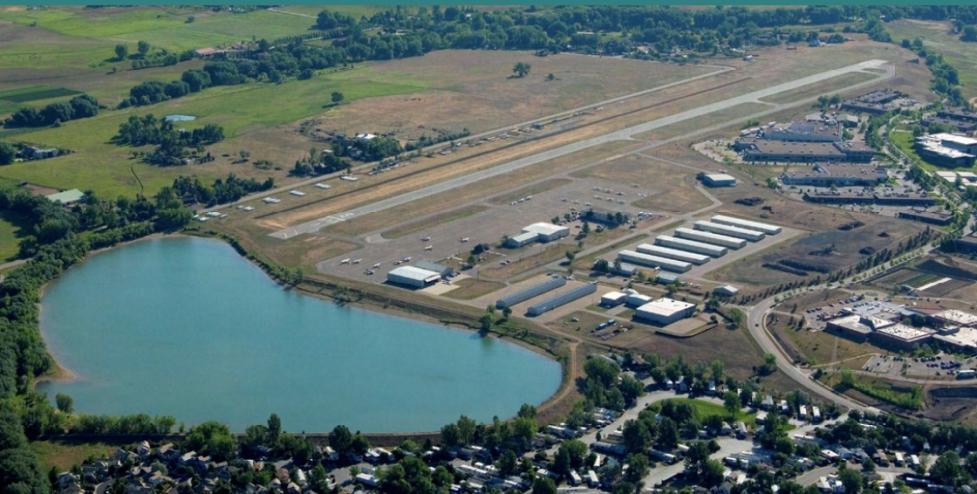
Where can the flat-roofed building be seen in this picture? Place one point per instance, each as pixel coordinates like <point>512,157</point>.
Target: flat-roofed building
<point>690,245</point>
<point>748,224</point>
<point>901,336</point>
<point>638,258</point>
<point>547,232</point>
<point>964,339</point>
<point>412,277</point>
<point>537,232</point>
<point>809,131</point>
<point>947,149</point>
<point>730,231</point>
<point>612,299</point>
<point>717,179</point>
<point>66,197</point>
<point>836,175</point>
<point>710,238</point>
<point>664,311</point>
<point>850,326</point>
<point>940,218</point>
<point>955,317</point>
<point>681,255</point>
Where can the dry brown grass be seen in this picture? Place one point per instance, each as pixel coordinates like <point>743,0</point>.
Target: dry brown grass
<point>445,217</point>
<point>672,187</point>
<point>471,288</point>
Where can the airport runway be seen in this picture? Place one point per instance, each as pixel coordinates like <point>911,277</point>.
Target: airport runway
<point>622,134</point>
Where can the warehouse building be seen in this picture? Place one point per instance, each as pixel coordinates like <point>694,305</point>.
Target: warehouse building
<point>664,311</point>
<point>914,199</point>
<point>765,150</point>
<point>877,102</point>
<point>710,238</point>
<point>537,232</point>
<point>561,300</point>
<point>941,218</point>
<point>836,176</point>
<point>731,231</point>
<point>717,179</point>
<point>412,277</point>
<point>748,224</point>
<point>640,259</point>
<point>681,255</point>
<point>612,299</point>
<point>528,293</point>
<point>690,245</point>
<point>633,298</point>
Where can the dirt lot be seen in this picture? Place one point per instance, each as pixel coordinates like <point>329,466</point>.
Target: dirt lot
<point>672,188</point>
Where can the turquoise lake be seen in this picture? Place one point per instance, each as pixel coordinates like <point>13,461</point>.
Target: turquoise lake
<point>187,327</point>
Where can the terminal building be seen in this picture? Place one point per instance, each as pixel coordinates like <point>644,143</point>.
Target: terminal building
<point>537,232</point>
<point>664,311</point>
<point>947,149</point>
<point>412,277</point>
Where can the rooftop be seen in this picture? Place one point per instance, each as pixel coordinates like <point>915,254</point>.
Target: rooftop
<point>543,228</point>
<point>665,306</point>
<point>414,273</point>
<point>904,333</point>
<point>67,196</point>
<point>957,317</point>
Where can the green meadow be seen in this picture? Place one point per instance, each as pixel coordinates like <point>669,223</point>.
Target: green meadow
<point>99,165</point>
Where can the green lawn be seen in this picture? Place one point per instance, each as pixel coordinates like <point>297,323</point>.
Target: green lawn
<point>62,456</point>
<point>11,231</point>
<point>165,27</point>
<point>705,409</point>
<point>903,139</point>
<point>107,169</point>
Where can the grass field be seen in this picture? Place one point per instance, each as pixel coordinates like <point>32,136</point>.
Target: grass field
<point>704,409</point>
<point>62,456</point>
<point>937,36</point>
<point>106,168</point>
<point>11,231</point>
<point>448,216</point>
<point>471,288</point>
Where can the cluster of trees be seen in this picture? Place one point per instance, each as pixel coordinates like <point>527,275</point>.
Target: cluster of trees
<point>192,191</point>
<point>172,143</point>
<point>318,163</point>
<point>374,149</point>
<point>7,153</point>
<point>81,106</point>
<point>515,435</point>
<point>19,469</point>
<point>140,131</point>
<point>605,386</point>
<point>946,79</point>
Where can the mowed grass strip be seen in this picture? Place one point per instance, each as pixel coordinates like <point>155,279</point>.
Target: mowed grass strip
<point>471,288</point>
<point>99,165</point>
<point>34,93</point>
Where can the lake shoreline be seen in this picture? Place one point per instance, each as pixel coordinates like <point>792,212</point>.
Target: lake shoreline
<point>60,373</point>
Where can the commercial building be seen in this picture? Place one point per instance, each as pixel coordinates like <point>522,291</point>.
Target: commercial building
<point>681,255</point>
<point>664,311</point>
<point>881,199</point>
<point>730,231</point>
<point>931,217</point>
<point>633,298</point>
<point>441,269</point>
<point>537,232</point>
<point>966,244</point>
<point>947,149</point>
<point>748,224</point>
<point>640,259</point>
<point>851,327</point>
<point>809,131</point>
<point>717,179</point>
<point>690,245</point>
<point>877,102</point>
<point>955,317</point>
<point>710,238</point>
<point>836,176</point>
<point>726,290</point>
<point>767,150</point>
<point>412,277</point>
<point>901,337</point>
<point>612,299</point>
<point>963,339</point>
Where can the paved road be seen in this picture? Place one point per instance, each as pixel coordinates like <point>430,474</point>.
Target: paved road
<point>756,323</point>
<point>622,134</point>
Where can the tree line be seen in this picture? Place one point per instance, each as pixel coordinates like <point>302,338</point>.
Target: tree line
<point>172,143</point>
<point>81,106</point>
